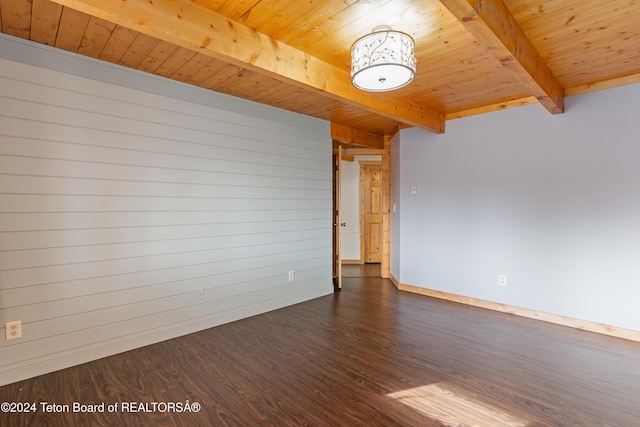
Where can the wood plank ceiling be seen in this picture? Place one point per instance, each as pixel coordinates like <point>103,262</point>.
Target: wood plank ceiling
<point>473,56</point>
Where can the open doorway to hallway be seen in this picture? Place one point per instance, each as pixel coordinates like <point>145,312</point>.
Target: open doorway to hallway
<point>349,225</point>
<point>361,202</point>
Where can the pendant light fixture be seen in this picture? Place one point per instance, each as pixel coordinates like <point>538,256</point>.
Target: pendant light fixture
<point>383,60</point>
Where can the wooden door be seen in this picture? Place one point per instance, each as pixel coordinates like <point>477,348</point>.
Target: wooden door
<point>371,187</point>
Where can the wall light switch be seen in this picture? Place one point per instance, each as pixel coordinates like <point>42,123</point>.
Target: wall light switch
<point>414,189</point>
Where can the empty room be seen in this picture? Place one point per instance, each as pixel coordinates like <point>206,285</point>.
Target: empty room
<point>319,213</point>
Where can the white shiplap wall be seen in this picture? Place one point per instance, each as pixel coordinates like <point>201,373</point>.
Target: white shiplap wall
<point>117,206</point>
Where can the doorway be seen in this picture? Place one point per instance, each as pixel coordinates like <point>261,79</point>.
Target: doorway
<point>346,223</point>
<point>361,200</point>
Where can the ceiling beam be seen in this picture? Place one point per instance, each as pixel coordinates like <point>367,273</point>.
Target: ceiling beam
<point>492,24</point>
<point>353,136</point>
<point>195,27</point>
<point>493,107</point>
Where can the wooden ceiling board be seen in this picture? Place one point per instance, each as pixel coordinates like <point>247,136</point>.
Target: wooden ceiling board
<point>240,81</point>
<point>140,48</point>
<point>526,11</point>
<point>359,14</point>
<point>176,60</point>
<point>46,18</point>
<point>602,61</point>
<point>227,73</point>
<point>266,91</point>
<point>157,56</point>
<point>258,12</point>
<point>332,42</point>
<point>118,44</point>
<point>190,67</point>
<point>16,17</point>
<point>592,48</point>
<point>210,4</point>
<point>75,25</point>
<point>211,68</point>
<point>300,23</point>
<point>95,37</point>
<point>296,19</point>
<point>611,72</point>
<point>585,41</point>
<point>239,10</point>
<point>586,44</point>
<point>450,100</point>
<point>465,75</point>
<point>560,32</point>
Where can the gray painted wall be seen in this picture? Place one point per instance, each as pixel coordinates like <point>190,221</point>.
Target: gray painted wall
<point>552,202</point>
<point>119,206</point>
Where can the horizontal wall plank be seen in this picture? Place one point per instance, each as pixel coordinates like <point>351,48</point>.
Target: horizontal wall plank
<point>117,266</point>
<point>20,240</point>
<point>33,149</point>
<point>28,258</point>
<point>38,221</point>
<point>266,188</point>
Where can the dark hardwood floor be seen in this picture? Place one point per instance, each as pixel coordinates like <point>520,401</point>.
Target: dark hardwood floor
<point>361,270</point>
<point>366,356</point>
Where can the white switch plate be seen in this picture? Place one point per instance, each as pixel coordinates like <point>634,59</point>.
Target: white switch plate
<point>292,276</point>
<point>414,189</point>
<point>502,280</point>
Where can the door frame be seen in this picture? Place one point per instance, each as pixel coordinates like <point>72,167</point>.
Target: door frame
<point>336,218</point>
<point>352,150</point>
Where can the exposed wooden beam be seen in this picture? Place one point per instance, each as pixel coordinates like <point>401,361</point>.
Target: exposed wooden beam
<point>354,136</point>
<point>193,26</point>
<point>355,151</point>
<point>493,107</point>
<point>493,26</point>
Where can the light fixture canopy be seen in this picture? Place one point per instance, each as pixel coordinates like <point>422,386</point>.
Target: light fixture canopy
<point>383,60</point>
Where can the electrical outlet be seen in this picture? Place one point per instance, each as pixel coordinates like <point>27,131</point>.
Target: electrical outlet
<point>502,280</point>
<point>200,294</point>
<point>13,330</point>
<point>292,276</point>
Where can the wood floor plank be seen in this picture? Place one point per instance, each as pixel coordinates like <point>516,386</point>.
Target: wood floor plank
<point>367,356</point>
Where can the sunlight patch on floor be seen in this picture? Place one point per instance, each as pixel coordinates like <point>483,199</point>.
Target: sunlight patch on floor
<point>452,408</point>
